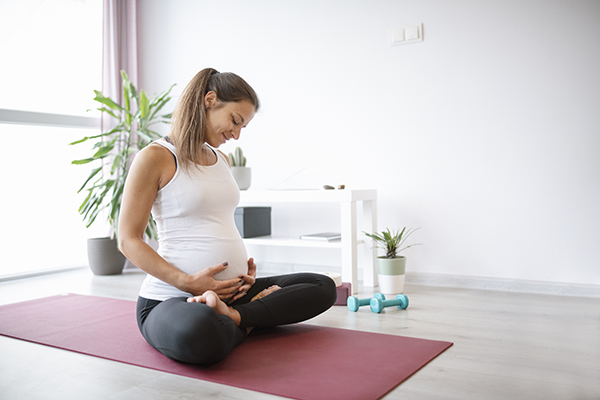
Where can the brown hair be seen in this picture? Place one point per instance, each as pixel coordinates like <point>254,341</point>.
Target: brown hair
<point>188,125</point>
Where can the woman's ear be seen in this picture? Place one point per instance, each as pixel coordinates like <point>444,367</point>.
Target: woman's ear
<point>210,100</point>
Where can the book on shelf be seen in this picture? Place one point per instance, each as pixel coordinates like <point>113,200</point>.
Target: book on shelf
<point>323,236</point>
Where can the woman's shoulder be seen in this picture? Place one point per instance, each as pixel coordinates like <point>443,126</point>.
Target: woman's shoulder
<point>155,152</point>
<point>155,162</point>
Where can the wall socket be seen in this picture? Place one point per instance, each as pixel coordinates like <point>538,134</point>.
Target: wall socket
<point>406,35</point>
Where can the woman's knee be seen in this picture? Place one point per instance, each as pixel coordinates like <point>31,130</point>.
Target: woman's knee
<point>199,342</point>
<point>191,332</point>
<point>322,292</point>
<point>328,290</point>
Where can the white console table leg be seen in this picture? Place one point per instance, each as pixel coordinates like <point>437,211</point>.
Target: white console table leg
<point>349,244</point>
<point>369,248</point>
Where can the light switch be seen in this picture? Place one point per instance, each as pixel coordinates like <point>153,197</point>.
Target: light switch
<point>397,36</point>
<point>412,33</point>
<point>407,35</point>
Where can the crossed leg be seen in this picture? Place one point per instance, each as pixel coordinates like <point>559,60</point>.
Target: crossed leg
<point>203,332</point>
<point>212,300</point>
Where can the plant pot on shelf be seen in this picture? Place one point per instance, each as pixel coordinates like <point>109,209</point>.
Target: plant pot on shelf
<point>242,176</point>
<point>390,272</point>
<point>104,256</point>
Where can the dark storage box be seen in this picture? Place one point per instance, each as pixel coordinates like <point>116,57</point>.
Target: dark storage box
<point>253,221</point>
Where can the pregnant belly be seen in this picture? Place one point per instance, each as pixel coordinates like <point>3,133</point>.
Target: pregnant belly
<point>209,254</point>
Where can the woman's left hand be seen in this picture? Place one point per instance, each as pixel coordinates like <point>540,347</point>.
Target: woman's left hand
<point>248,279</point>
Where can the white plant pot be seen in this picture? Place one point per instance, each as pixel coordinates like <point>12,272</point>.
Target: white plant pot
<point>391,273</point>
<point>242,176</point>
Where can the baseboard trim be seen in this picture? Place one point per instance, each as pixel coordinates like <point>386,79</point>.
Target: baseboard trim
<point>34,274</point>
<point>503,285</point>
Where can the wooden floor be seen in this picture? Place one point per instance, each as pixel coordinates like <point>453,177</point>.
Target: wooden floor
<point>506,346</point>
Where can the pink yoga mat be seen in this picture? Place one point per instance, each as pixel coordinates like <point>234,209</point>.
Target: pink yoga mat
<point>297,361</point>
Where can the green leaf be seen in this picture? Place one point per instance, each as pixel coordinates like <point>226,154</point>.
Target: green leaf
<point>127,81</point>
<point>155,135</point>
<point>161,97</point>
<point>126,96</point>
<point>144,105</point>
<point>106,101</point>
<point>160,101</point>
<point>83,161</point>
<point>104,150</point>
<point>92,217</point>
<point>83,204</point>
<point>117,129</point>
<point>91,205</point>
<point>145,138</point>
<point>151,228</point>
<point>116,164</point>
<point>94,173</point>
<point>115,202</point>
<point>109,111</point>
<point>80,141</point>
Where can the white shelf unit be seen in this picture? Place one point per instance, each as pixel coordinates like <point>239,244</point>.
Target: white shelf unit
<point>349,243</point>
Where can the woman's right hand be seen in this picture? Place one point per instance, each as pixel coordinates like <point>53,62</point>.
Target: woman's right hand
<point>204,280</point>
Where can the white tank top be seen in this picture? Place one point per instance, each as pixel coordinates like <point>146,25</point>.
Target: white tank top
<point>194,214</point>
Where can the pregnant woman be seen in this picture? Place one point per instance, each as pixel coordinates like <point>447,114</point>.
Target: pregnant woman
<point>201,297</point>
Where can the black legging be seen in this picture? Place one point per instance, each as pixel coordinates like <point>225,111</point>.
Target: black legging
<point>195,333</point>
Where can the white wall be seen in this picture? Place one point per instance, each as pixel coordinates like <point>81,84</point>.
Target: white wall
<point>486,135</point>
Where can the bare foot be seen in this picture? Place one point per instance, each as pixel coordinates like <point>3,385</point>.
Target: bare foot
<point>212,300</point>
<point>266,292</point>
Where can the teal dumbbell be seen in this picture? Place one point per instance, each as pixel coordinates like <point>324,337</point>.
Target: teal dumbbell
<point>377,305</point>
<point>354,303</point>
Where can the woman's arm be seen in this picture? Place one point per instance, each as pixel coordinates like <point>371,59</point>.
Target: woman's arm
<point>152,169</point>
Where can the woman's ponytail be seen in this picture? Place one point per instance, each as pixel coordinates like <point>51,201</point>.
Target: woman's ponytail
<point>189,119</point>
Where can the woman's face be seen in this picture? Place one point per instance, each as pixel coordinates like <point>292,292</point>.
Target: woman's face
<point>225,121</point>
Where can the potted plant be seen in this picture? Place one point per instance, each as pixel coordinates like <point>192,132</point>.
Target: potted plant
<point>112,151</point>
<point>240,172</point>
<point>391,267</point>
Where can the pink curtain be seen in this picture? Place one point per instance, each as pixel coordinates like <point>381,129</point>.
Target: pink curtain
<point>119,52</point>
<point>119,49</point>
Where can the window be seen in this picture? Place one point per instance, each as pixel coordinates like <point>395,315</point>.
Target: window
<point>51,60</point>
<point>51,52</point>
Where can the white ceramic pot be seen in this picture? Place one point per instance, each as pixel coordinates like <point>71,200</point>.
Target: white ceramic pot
<point>242,176</point>
<point>391,272</point>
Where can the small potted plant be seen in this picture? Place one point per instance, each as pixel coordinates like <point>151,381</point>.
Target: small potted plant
<point>112,151</point>
<point>391,267</point>
<point>240,172</point>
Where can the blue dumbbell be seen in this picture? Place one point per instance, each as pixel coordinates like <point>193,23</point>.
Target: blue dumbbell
<point>354,303</point>
<point>377,305</point>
